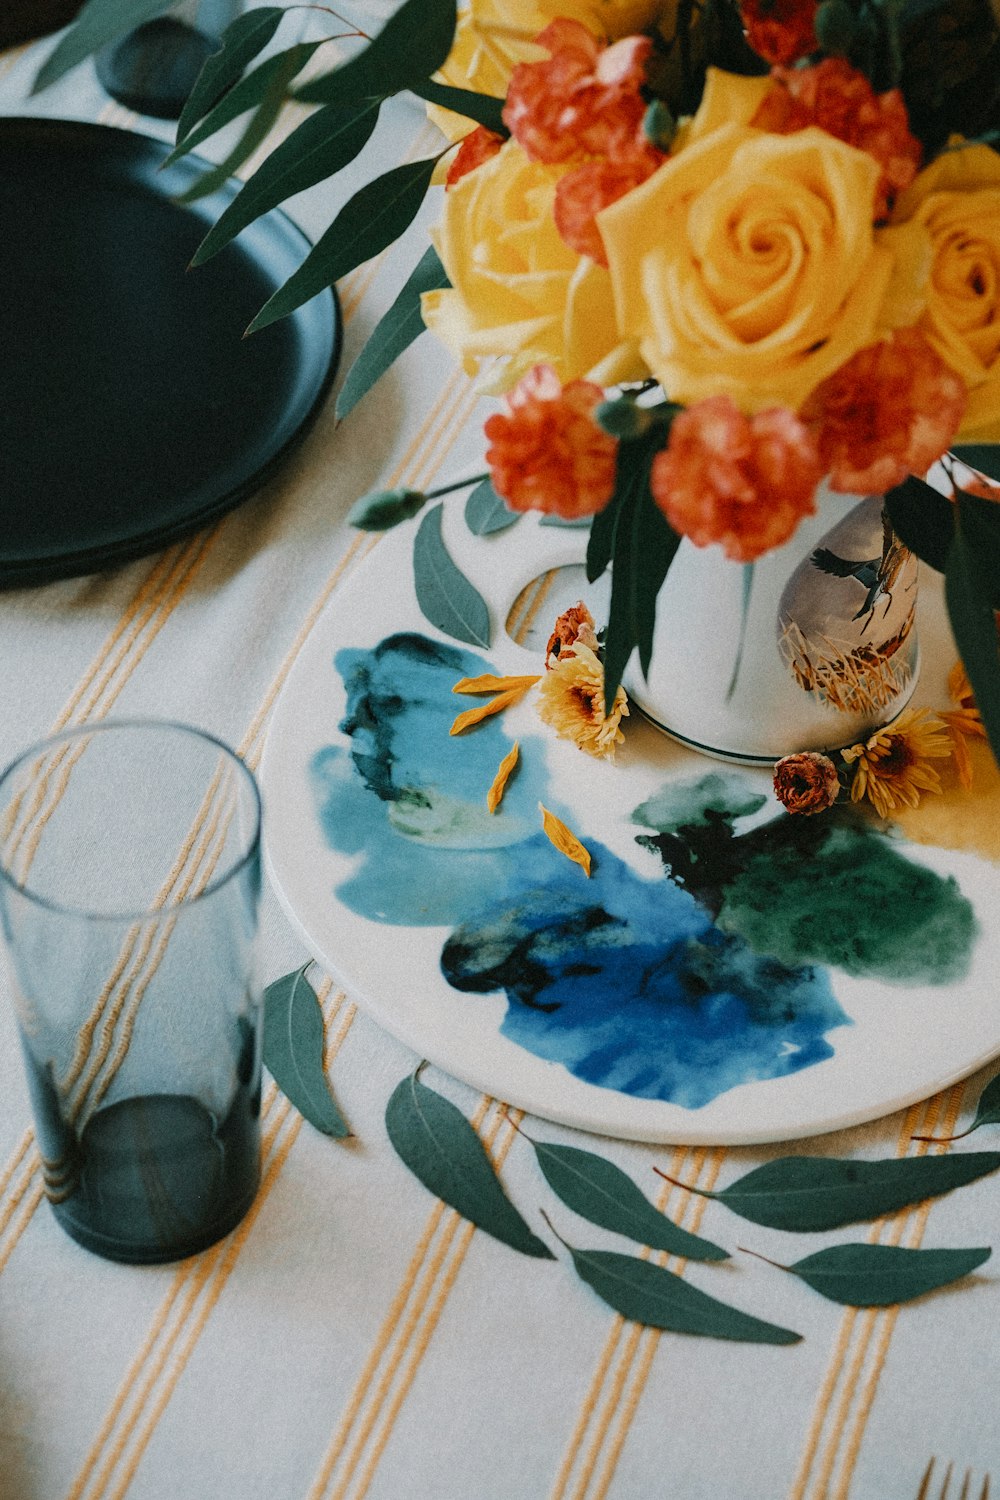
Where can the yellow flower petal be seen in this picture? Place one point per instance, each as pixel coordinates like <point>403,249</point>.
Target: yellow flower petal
<point>564,840</point>
<point>489,683</point>
<point>476,715</point>
<point>502,777</point>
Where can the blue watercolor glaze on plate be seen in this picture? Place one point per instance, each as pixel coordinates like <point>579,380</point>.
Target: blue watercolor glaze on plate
<point>624,981</point>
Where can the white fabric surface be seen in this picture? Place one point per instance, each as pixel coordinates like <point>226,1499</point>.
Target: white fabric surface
<point>353,1338</point>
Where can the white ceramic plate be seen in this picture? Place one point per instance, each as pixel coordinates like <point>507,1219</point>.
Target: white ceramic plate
<point>352,869</point>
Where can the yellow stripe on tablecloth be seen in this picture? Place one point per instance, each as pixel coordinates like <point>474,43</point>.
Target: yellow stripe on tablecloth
<point>370,1415</point>
<point>851,1350</point>
<point>604,1402</point>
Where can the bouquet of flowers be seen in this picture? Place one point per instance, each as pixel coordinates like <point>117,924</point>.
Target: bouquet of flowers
<point>707,255</point>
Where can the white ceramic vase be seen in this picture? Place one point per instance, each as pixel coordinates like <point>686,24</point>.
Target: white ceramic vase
<point>812,647</point>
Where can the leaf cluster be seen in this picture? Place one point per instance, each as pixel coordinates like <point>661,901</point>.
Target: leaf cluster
<point>802,1194</point>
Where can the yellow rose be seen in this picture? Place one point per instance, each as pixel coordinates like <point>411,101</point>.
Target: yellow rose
<point>947,244</point>
<point>747,264</point>
<point>494,35</point>
<point>517,290</point>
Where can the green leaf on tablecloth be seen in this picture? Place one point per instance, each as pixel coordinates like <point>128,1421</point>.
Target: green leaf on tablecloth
<point>381,510</point>
<point>647,1293</point>
<point>972,592</point>
<point>987,1113</point>
<point>251,91</point>
<point>486,513</point>
<point>982,456</point>
<point>99,23</point>
<point>599,1191</point>
<point>644,546</point>
<point>565,523</point>
<point>808,1193</point>
<point>240,43</point>
<point>923,519</point>
<point>376,216</point>
<point>444,594</point>
<point>394,332</point>
<point>293,1051</point>
<point>319,147</point>
<point>882,1275</point>
<point>412,45</point>
<point>484,109</point>
<point>435,1140</point>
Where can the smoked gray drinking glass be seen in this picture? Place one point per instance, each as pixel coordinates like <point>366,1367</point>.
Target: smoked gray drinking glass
<point>129,886</point>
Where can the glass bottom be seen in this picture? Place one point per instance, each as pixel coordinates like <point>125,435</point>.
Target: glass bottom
<point>158,1177</point>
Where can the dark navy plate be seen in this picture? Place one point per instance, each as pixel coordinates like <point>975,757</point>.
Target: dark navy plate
<point>132,410</point>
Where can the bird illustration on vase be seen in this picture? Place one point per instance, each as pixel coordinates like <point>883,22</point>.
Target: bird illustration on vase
<point>877,575</point>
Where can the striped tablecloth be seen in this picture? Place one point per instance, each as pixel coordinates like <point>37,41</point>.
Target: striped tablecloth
<point>353,1337</point>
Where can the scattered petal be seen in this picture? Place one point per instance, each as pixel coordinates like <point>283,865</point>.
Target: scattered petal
<point>488,682</point>
<point>473,716</point>
<point>564,840</point>
<point>500,780</point>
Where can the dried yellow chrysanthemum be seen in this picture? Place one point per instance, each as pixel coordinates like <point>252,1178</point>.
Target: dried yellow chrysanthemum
<point>565,841</point>
<point>571,700</point>
<point>473,716</point>
<point>500,780</point>
<point>892,769</point>
<point>490,683</point>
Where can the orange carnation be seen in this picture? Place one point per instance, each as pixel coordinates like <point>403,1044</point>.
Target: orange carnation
<point>478,146</point>
<point>841,101</point>
<point>780,31</point>
<point>583,100</point>
<point>889,412</point>
<point>584,191</point>
<point>745,482</point>
<point>547,451</point>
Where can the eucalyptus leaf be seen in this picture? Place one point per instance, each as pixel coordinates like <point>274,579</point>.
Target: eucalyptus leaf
<point>969,593</point>
<point>597,1190</point>
<point>565,523</point>
<point>394,332</point>
<point>987,1109</point>
<point>241,42</point>
<point>484,109</point>
<point>376,215</point>
<point>644,548</point>
<point>412,45</point>
<point>319,147</point>
<point>435,1140</point>
<point>807,1193</point>
<point>446,597</point>
<point>98,23</point>
<point>293,1051</point>
<point>982,456</point>
<point>247,94</point>
<point>486,513</point>
<point>883,1275</point>
<point>923,519</point>
<point>647,1293</point>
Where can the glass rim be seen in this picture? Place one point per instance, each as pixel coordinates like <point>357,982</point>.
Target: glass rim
<point>146,913</point>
